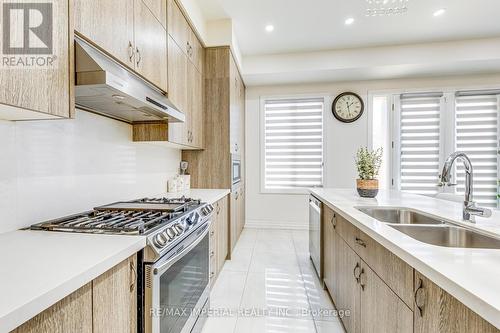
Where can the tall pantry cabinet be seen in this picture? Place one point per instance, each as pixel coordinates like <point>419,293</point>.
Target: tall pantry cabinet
<point>224,134</point>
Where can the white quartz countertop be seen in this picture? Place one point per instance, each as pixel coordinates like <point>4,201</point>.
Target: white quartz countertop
<point>39,268</point>
<point>470,275</point>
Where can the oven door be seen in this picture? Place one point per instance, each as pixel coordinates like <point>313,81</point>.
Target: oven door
<point>177,286</point>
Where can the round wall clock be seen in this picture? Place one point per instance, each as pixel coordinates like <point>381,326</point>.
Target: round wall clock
<point>348,107</point>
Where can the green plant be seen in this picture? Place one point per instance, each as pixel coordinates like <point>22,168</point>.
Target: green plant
<point>368,162</point>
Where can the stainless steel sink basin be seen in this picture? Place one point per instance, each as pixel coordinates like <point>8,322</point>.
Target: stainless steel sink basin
<point>398,215</point>
<point>449,236</point>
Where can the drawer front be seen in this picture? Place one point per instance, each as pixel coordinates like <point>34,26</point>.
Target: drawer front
<point>346,230</point>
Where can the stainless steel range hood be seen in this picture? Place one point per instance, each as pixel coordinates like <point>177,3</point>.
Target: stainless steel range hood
<point>104,86</point>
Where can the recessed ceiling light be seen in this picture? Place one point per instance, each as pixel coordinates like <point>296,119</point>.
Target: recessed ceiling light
<point>349,21</point>
<point>269,28</point>
<point>439,12</point>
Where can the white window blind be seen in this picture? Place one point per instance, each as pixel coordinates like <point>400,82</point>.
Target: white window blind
<point>293,143</point>
<point>420,143</point>
<point>476,126</point>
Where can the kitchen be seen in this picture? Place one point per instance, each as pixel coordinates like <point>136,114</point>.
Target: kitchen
<point>160,159</point>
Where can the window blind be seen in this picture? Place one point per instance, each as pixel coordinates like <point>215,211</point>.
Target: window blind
<point>293,143</point>
<point>420,143</point>
<point>476,126</point>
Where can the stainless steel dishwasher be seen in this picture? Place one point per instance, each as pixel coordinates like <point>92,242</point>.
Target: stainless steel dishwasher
<point>315,212</point>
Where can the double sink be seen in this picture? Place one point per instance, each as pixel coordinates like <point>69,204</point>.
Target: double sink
<point>430,230</point>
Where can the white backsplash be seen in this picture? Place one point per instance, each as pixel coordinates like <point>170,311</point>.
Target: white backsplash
<point>53,168</point>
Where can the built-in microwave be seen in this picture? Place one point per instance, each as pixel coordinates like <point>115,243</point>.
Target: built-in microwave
<point>236,168</point>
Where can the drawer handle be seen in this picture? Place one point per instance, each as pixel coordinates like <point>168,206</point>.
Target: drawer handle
<point>130,51</point>
<point>212,274</point>
<point>218,210</point>
<point>139,56</point>
<point>357,272</point>
<point>133,274</point>
<point>362,279</point>
<point>420,297</point>
<point>212,253</point>
<point>212,233</point>
<point>361,242</point>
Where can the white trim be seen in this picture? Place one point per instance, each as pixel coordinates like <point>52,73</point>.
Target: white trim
<point>396,138</point>
<point>327,99</point>
<point>276,224</point>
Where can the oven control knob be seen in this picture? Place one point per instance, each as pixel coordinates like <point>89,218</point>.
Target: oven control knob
<point>166,235</point>
<point>179,229</point>
<point>160,240</point>
<point>171,233</point>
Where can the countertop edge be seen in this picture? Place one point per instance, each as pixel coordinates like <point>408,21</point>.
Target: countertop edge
<point>37,305</point>
<point>475,303</point>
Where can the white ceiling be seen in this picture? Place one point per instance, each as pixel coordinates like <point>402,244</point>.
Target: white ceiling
<point>319,24</point>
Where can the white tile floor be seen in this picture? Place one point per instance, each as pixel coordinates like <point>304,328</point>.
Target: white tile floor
<point>270,286</point>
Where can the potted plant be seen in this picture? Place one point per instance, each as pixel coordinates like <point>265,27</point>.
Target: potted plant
<point>368,165</point>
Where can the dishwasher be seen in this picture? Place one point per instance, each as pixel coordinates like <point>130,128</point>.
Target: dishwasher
<point>315,212</point>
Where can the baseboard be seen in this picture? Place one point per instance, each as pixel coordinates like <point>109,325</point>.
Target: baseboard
<point>276,224</point>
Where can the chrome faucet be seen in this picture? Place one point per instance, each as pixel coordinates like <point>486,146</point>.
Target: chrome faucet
<point>470,208</point>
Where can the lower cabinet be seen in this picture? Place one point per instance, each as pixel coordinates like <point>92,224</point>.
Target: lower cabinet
<point>237,219</point>
<point>379,292</point>
<point>71,314</point>
<point>114,299</point>
<point>437,311</point>
<point>107,304</point>
<point>219,238</point>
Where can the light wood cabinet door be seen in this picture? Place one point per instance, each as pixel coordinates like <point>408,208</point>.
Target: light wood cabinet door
<point>109,24</point>
<point>328,249</point>
<point>177,92</point>
<point>234,108</point>
<point>235,217</point>
<point>221,210</point>
<point>241,210</point>
<point>213,247</point>
<point>115,299</point>
<point>150,46</point>
<point>46,92</point>
<point>195,107</point>
<point>159,10</point>
<point>346,292</point>
<point>381,309</point>
<point>178,27</point>
<point>196,52</point>
<point>436,311</point>
<point>71,314</point>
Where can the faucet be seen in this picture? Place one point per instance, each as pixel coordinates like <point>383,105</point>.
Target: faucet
<point>470,209</point>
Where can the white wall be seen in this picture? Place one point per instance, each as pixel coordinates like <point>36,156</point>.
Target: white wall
<point>52,168</point>
<point>341,140</point>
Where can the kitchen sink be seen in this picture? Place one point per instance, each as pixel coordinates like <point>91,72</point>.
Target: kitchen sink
<point>448,236</point>
<point>398,215</point>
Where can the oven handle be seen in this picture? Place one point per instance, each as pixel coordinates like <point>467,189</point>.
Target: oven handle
<point>163,267</point>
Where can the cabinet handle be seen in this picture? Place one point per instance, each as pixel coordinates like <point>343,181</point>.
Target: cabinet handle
<point>139,56</point>
<point>334,221</point>
<point>130,51</point>
<point>361,242</point>
<point>212,253</point>
<point>133,274</point>
<point>218,209</point>
<point>362,279</point>
<point>236,146</point>
<point>212,274</point>
<point>420,297</point>
<point>357,272</point>
<point>212,233</point>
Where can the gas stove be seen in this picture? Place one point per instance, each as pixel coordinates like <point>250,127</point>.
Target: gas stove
<point>165,221</point>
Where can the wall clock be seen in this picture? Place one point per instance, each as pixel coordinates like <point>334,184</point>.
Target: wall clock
<point>348,107</point>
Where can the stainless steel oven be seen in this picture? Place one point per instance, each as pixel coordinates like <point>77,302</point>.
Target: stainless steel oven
<point>236,168</point>
<point>176,289</point>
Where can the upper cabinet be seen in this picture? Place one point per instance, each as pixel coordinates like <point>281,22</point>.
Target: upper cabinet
<point>44,91</point>
<point>129,31</point>
<point>185,85</point>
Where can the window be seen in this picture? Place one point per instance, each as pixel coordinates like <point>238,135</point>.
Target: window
<point>429,127</point>
<point>420,143</point>
<point>476,122</point>
<point>292,143</point>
